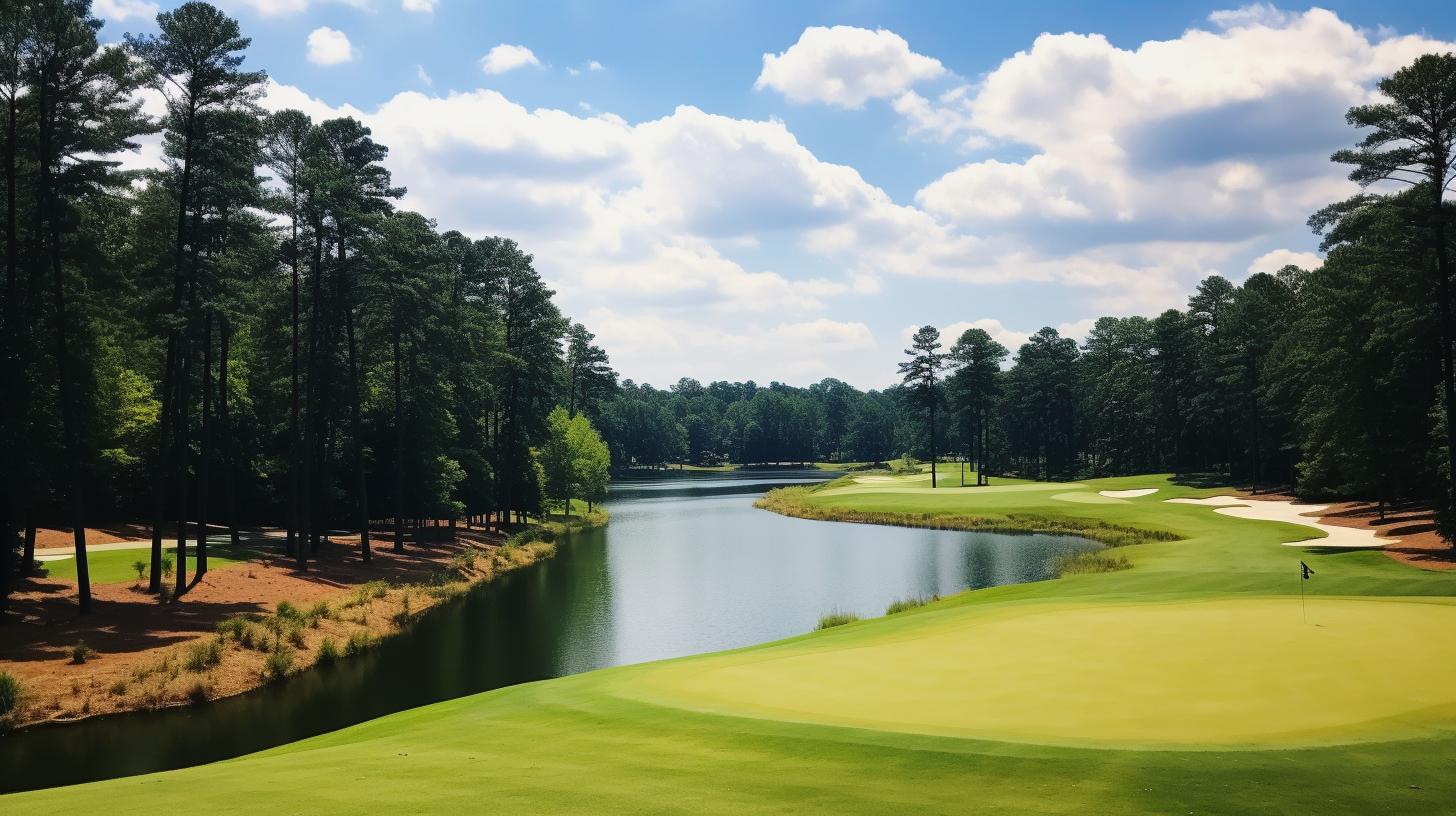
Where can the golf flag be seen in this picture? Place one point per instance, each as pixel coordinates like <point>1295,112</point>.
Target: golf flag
<point>1305,571</point>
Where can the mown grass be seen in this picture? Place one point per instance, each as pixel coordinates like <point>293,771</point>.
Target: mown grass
<point>702,734</point>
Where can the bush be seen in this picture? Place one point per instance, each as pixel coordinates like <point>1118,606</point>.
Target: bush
<point>81,651</point>
<point>319,611</point>
<point>327,652</point>
<point>288,612</point>
<point>909,603</point>
<point>359,641</point>
<point>279,663</point>
<point>234,625</point>
<point>203,656</point>
<point>463,562</point>
<point>164,595</point>
<point>141,569</point>
<point>168,566</point>
<point>836,618</point>
<point>9,694</point>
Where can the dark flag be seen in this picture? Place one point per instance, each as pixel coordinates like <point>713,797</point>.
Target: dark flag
<point>1304,570</point>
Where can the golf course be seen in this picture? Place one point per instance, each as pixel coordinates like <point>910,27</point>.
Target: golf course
<point>1192,678</point>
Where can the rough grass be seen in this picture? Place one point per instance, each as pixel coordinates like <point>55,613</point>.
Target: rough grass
<point>1089,563</point>
<point>836,618</point>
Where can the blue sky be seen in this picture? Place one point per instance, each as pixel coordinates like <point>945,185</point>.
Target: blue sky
<point>782,190</point>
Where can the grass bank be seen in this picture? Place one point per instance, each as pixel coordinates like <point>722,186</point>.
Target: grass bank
<point>1188,682</point>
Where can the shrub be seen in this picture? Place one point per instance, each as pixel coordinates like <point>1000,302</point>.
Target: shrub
<point>359,641</point>
<point>234,626</point>
<point>288,612</point>
<point>327,652</point>
<point>9,694</point>
<point>909,603</point>
<point>164,595</point>
<point>278,663</point>
<point>118,687</point>
<point>836,618</point>
<point>168,566</point>
<point>81,651</point>
<point>295,636</point>
<point>463,562</point>
<point>203,656</point>
<point>319,611</point>
<point>141,569</point>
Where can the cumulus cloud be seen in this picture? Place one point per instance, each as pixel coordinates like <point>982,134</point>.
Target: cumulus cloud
<point>420,6</point>
<point>118,11</point>
<point>846,66</point>
<point>1012,339</point>
<point>1224,131</point>
<point>506,57</point>
<point>1278,259</point>
<point>327,46</point>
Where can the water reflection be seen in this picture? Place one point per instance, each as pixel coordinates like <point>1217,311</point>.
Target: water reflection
<point>686,566</point>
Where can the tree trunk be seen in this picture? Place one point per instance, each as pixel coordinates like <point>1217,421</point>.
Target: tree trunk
<point>1448,335</point>
<point>184,422</point>
<point>932,437</point>
<point>204,464</point>
<point>163,463</point>
<point>358,426</point>
<point>224,417</point>
<point>398,445</point>
<point>294,442</point>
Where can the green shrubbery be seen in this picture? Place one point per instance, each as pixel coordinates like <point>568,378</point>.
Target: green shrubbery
<point>836,618</point>
<point>327,652</point>
<point>1089,562</point>
<point>203,656</point>
<point>909,603</point>
<point>9,695</point>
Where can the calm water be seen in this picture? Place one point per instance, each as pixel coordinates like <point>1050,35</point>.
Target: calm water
<point>686,566</point>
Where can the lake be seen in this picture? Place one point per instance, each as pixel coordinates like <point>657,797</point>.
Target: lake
<point>686,566</point>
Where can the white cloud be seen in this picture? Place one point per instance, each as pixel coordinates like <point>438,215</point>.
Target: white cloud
<point>327,46</point>
<point>593,65</point>
<point>118,11</point>
<point>845,66</point>
<point>423,76</point>
<point>1222,132</point>
<point>1012,339</point>
<point>1276,260</point>
<point>505,57</point>
<point>420,6</point>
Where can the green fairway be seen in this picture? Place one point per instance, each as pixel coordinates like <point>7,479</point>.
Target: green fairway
<point>115,566</point>
<point>1188,683</point>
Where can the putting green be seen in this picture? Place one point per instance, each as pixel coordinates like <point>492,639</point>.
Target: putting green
<point>1231,673</point>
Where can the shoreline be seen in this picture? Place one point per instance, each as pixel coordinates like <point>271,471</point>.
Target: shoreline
<point>244,625</point>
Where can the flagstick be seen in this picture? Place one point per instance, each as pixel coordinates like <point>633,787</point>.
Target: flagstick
<point>1303,614</point>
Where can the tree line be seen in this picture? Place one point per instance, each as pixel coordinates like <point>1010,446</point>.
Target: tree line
<point>253,333</point>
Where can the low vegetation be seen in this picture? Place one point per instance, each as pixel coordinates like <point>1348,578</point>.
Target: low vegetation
<point>836,618</point>
<point>905,604</point>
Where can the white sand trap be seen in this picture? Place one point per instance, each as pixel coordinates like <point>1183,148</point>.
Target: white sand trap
<point>1128,494</point>
<point>1287,511</point>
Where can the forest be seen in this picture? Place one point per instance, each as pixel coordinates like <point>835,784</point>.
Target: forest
<point>253,333</point>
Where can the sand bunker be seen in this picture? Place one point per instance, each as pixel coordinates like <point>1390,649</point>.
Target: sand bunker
<point>1287,511</point>
<point>1128,494</point>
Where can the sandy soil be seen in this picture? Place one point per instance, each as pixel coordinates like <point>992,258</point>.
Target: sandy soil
<point>139,645</point>
<point>1128,494</point>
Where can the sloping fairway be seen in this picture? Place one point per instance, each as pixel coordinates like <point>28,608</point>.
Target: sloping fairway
<point>1187,684</point>
<point>1193,674</point>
